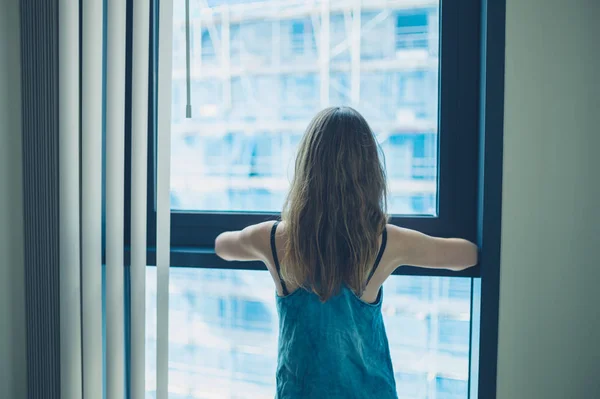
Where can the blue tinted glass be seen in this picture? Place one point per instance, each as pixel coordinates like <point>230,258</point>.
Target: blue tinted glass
<point>298,28</point>
<point>258,76</point>
<point>451,388</point>
<point>412,20</point>
<point>454,334</point>
<point>223,334</point>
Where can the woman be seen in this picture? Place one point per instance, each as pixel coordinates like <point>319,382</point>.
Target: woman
<point>329,257</point>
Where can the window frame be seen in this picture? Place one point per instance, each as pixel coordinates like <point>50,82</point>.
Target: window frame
<point>480,107</point>
<point>193,232</point>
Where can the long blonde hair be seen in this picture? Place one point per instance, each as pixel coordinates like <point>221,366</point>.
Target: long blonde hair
<point>335,210</point>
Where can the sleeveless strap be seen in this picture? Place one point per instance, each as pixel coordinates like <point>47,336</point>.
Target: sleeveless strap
<point>380,254</point>
<point>275,259</point>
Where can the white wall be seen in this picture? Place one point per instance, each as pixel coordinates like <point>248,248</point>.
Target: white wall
<point>550,273</point>
<point>12,297</point>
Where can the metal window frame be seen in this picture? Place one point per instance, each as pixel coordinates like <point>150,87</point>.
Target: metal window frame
<point>193,233</point>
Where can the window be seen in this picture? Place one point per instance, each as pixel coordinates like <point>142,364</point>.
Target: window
<point>208,47</point>
<point>233,160</point>
<point>412,30</point>
<point>258,76</point>
<point>451,388</point>
<point>224,334</point>
<point>297,37</point>
<point>301,39</point>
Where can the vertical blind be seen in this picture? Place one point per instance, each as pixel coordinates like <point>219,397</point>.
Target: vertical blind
<point>91,195</point>
<point>163,205</point>
<point>115,180</point>
<point>139,175</point>
<point>69,227</point>
<point>92,153</point>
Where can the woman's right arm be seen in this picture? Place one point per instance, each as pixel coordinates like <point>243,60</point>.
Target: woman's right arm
<point>412,248</point>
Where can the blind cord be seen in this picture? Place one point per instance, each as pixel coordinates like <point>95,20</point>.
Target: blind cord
<point>188,107</point>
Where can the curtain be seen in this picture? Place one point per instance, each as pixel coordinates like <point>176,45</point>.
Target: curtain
<point>86,195</point>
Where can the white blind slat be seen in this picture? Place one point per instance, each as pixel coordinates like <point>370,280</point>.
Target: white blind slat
<point>70,251</point>
<point>139,148</point>
<point>91,197</point>
<point>163,206</point>
<point>115,181</point>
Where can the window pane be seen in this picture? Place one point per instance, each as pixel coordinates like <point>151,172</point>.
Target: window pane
<point>256,81</point>
<point>224,330</point>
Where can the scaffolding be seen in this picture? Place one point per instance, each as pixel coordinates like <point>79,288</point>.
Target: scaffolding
<point>216,64</point>
<point>265,67</point>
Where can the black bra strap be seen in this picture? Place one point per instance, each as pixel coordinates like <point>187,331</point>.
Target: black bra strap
<point>275,259</point>
<point>380,254</point>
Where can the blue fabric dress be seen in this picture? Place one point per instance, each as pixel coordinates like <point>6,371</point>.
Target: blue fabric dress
<point>336,349</point>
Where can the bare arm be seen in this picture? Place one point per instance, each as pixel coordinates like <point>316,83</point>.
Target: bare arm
<point>244,245</point>
<point>251,243</point>
<point>412,248</point>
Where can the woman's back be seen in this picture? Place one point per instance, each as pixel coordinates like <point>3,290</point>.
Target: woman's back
<point>332,341</point>
<point>332,349</point>
<point>336,349</point>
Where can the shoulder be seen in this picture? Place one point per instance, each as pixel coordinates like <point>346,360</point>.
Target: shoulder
<point>251,243</point>
<point>260,236</point>
<point>400,242</point>
<point>258,230</point>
